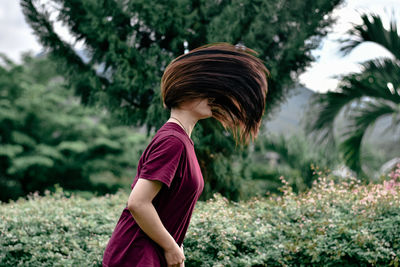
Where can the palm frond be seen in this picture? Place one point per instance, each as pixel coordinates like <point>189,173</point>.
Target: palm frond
<point>383,71</point>
<point>350,148</point>
<point>324,108</point>
<point>363,117</point>
<point>371,83</point>
<point>372,30</point>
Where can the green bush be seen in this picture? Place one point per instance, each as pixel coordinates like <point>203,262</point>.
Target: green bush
<point>333,224</point>
<point>48,137</point>
<point>297,159</point>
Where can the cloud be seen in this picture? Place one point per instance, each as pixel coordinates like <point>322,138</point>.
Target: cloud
<point>17,37</point>
<point>15,34</point>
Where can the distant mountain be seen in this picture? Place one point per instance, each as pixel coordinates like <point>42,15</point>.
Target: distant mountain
<point>287,120</point>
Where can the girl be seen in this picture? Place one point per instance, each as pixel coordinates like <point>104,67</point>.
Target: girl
<point>217,80</point>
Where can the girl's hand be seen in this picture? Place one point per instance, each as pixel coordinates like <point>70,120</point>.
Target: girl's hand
<point>183,263</point>
<point>174,256</point>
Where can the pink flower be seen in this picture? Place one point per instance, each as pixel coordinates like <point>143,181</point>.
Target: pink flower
<point>395,174</point>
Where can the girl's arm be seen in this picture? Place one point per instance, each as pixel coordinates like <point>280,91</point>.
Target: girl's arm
<point>141,207</point>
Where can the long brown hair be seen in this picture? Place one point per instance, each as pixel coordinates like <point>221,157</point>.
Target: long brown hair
<point>231,77</point>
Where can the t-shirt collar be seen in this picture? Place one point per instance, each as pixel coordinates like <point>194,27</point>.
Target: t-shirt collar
<point>177,126</point>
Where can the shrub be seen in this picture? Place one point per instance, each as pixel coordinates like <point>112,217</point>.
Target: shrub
<point>57,229</point>
<point>48,137</point>
<point>332,224</point>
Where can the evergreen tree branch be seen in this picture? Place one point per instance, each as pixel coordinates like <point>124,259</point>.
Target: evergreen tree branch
<point>60,50</point>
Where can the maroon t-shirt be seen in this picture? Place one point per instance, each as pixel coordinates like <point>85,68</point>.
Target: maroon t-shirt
<point>171,159</point>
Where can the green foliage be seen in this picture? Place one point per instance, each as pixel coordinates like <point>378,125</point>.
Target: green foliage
<point>366,97</point>
<point>332,224</point>
<point>56,229</point>
<point>47,137</point>
<point>130,43</point>
<point>297,158</point>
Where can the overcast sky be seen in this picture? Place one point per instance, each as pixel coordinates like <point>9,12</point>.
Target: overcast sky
<point>16,37</point>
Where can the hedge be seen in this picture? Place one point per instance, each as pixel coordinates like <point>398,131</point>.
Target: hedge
<point>333,224</point>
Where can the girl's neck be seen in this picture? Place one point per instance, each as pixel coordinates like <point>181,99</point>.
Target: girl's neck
<point>184,119</point>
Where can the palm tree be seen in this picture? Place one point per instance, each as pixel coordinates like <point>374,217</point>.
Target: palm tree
<point>366,97</point>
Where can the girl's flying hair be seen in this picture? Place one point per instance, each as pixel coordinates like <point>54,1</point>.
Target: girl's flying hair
<point>231,77</point>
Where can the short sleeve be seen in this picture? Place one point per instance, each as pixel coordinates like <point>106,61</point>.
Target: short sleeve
<point>163,160</point>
